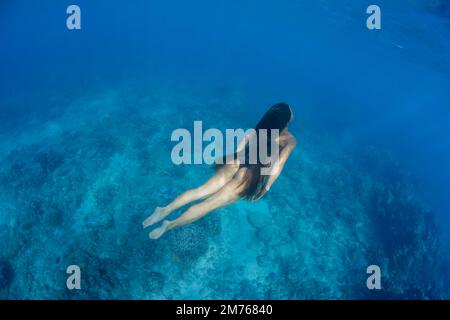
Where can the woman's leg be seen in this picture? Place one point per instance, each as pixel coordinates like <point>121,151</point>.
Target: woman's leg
<point>210,187</point>
<point>226,196</point>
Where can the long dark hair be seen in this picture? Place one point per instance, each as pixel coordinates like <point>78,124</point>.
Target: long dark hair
<point>276,118</point>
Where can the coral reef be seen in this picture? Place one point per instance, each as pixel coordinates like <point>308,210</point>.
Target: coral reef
<point>6,274</point>
<point>79,196</point>
<point>189,243</point>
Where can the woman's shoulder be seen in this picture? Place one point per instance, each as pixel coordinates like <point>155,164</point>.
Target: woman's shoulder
<point>286,138</point>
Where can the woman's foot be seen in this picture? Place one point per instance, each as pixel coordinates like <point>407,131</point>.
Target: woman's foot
<point>158,232</point>
<point>157,216</point>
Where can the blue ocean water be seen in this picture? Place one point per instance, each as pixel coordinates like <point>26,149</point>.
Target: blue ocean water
<point>87,115</point>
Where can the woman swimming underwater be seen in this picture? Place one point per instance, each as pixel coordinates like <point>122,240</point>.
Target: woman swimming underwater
<point>235,179</point>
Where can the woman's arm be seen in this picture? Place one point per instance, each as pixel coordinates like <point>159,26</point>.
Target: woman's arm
<point>244,141</point>
<point>289,142</point>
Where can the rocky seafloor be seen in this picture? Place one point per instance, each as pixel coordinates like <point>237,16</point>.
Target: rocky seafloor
<point>76,185</point>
